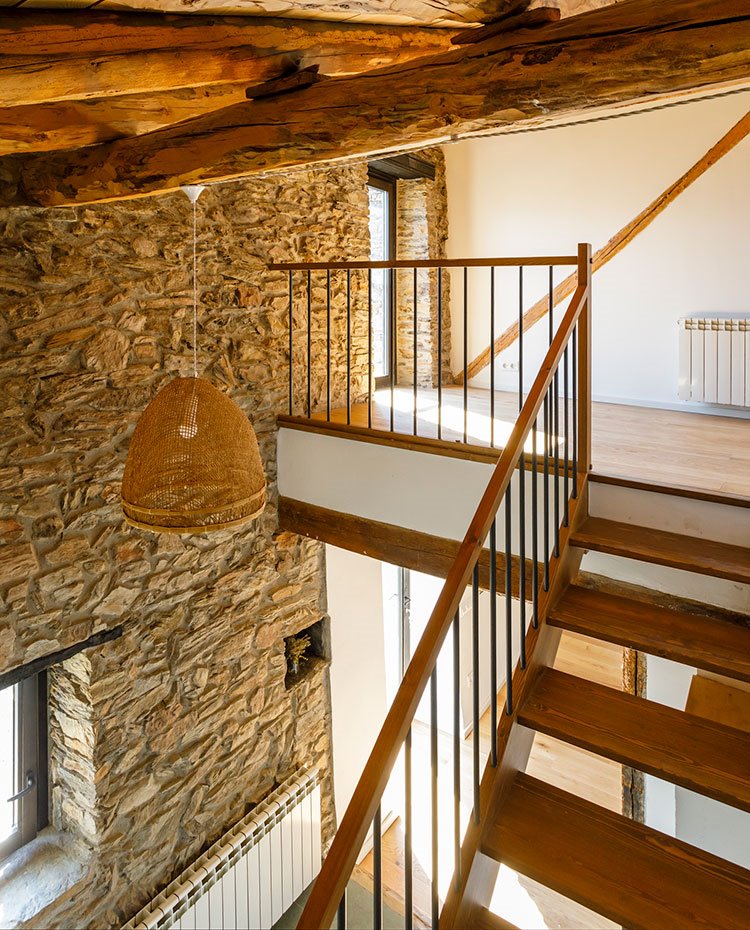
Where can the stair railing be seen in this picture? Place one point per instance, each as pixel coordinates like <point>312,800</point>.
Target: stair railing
<point>560,455</point>
<point>336,345</point>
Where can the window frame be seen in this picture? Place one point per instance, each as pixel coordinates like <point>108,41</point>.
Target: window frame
<point>387,183</point>
<point>30,752</point>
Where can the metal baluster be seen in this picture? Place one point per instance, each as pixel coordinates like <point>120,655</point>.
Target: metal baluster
<point>341,916</point>
<point>309,346</point>
<point>466,354</point>
<point>575,411</point>
<point>434,780</point>
<point>534,528</point>
<point>392,330</point>
<point>457,747</point>
<point>566,410</point>
<point>377,872</point>
<point>493,643</point>
<point>475,683</point>
<point>414,349</point>
<point>369,348</point>
<point>508,608</point>
<point>556,486</point>
<point>492,357</point>
<point>440,353</point>
<point>545,492</point>
<point>348,346</point>
<point>408,828</point>
<point>328,344</point>
<point>291,330</point>
<point>521,485</point>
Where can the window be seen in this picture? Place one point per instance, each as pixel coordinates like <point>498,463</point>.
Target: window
<point>23,762</point>
<point>382,194</point>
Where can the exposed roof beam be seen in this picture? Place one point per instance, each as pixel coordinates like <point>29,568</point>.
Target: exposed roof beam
<point>80,56</point>
<point>627,52</point>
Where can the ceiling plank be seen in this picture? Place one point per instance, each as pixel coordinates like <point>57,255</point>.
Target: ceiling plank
<point>627,52</point>
<point>80,55</point>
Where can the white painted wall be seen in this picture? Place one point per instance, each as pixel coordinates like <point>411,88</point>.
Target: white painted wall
<point>543,192</point>
<point>358,676</point>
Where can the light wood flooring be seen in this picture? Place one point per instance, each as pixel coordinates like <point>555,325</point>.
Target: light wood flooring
<point>517,898</point>
<point>711,453</point>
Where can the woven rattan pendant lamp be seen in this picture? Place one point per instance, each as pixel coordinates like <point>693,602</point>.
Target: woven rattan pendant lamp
<point>193,465</point>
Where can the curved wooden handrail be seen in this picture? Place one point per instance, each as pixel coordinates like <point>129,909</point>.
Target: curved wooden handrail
<point>329,887</point>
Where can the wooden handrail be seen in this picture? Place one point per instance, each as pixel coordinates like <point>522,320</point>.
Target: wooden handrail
<point>329,887</point>
<point>512,262</point>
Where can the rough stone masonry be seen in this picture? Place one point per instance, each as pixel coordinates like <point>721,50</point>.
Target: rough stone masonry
<point>162,739</point>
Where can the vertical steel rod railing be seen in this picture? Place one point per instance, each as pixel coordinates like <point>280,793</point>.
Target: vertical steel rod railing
<point>291,335</point>
<point>440,353</point>
<point>492,363</point>
<point>542,411</point>
<point>466,354</point>
<point>348,346</point>
<point>414,354</point>
<point>328,345</point>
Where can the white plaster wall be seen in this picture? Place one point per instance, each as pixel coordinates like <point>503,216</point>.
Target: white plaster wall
<point>358,677</point>
<point>543,192</point>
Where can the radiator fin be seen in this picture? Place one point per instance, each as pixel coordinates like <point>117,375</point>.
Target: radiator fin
<point>249,877</point>
<point>714,361</point>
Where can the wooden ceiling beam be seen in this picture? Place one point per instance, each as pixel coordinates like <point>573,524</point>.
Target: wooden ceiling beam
<point>80,56</point>
<point>624,53</point>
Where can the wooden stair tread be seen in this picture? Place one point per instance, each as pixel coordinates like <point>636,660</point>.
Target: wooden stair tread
<point>486,920</point>
<point>619,868</point>
<point>687,750</point>
<point>704,556</point>
<point>706,642</point>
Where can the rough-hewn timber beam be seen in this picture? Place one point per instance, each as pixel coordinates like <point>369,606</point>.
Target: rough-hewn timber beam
<point>71,124</point>
<point>627,52</point>
<point>613,247</point>
<point>81,56</point>
<point>397,545</point>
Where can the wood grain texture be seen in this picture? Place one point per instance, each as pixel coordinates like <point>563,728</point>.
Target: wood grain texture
<point>703,556</point>
<point>709,643</point>
<point>613,247</point>
<point>59,56</point>
<point>397,545</point>
<point>622,53</point>
<point>709,457</point>
<point>719,701</point>
<point>617,867</point>
<point>681,748</point>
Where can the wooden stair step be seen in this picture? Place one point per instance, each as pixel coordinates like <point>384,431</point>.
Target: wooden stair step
<point>705,642</point>
<point>704,556</point>
<point>687,750</point>
<point>619,868</point>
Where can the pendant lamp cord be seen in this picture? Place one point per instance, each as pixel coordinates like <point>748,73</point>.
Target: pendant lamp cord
<point>195,288</point>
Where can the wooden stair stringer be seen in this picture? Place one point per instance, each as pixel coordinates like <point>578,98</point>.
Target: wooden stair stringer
<point>466,904</point>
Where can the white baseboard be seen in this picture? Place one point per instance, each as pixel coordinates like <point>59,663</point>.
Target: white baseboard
<point>715,410</point>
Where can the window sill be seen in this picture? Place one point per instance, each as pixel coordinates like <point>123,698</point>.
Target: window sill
<point>38,873</point>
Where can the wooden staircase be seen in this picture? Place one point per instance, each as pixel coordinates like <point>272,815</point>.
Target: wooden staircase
<point>621,869</point>
<point>626,871</point>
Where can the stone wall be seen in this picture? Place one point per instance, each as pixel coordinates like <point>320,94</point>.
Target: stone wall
<point>422,229</point>
<point>163,738</point>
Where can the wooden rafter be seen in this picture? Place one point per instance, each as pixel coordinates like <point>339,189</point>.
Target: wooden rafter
<point>622,53</point>
<point>614,246</point>
<point>71,56</point>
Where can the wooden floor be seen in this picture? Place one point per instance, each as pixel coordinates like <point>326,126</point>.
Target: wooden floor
<point>711,453</point>
<point>517,898</point>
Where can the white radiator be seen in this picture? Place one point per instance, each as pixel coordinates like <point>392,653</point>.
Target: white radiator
<point>714,359</point>
<point>253,874</point>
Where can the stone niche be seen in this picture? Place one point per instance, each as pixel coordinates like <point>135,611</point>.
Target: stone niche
<point>317,654</point>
